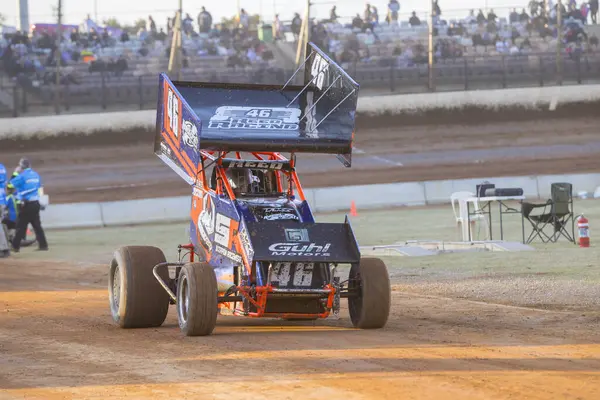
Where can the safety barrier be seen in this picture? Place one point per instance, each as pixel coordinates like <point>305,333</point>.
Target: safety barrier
<point>175,209</point>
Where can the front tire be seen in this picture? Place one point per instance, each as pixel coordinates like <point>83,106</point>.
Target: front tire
<point>197,299</point>
<point>136,298</point>
<point>371,307</point>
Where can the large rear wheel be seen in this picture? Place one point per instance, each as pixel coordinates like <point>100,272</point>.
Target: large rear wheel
<point>136,298</point>
<point>197,299</point>
<point>370,308</point>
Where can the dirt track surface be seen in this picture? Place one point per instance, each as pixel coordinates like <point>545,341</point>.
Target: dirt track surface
<point>91,169</point>
<point>57,341</point>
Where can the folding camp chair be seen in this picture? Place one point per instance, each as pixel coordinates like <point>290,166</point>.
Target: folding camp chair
<point>557,212</point>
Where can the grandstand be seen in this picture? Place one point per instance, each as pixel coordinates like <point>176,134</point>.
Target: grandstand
<point>107,67</point>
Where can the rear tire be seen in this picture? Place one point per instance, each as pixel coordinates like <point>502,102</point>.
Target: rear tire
<point>371,308</point>
<point>136,298</point>
<point>197,299</point>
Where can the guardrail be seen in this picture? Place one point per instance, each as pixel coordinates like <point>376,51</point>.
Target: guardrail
<point>101,91</point>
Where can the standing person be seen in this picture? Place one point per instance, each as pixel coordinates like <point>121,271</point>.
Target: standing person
<point>27,185</point>
<point>2,190</point>
<point>594,11</point>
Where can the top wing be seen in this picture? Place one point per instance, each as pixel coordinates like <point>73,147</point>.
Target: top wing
<point>318,117</point>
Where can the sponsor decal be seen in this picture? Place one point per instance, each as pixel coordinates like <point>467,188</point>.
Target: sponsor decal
<point>206,219</point>
<point>245,240</point>
<point>229,254</point>
<point>165,149</point>
<point>173,111</point>
<point>296,235</point>
<point>263,118</point>
<point>280,217</point>
<point>319,71</point>
<point>278,214</point>
<point>257,165</point>
<point>299,249</point>
<point>190,135</point>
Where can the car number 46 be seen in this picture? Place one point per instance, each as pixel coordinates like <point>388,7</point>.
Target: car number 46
<point>260,113</point>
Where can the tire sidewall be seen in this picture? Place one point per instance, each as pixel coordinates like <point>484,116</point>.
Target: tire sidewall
<point>118,313</point>
<point>184,276</point>
<point>201,315</point>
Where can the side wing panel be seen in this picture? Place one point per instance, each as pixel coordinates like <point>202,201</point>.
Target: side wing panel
<point>218,232</point>
<point>178,129</point>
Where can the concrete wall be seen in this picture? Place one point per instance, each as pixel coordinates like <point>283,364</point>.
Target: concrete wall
<point>172,209</point>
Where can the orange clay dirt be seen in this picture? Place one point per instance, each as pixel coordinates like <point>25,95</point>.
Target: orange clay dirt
<point>57,341</point>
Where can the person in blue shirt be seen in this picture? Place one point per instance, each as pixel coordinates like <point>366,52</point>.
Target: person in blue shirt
<point>2,185</point>
<point>27,186</point>
<point>12,208</point>
<point>4,246</point>
<point>2,175</point>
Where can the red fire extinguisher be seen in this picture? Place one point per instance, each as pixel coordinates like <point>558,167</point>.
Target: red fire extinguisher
<point>584,232</point>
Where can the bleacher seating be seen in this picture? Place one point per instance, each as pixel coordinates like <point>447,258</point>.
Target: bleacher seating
<point>394,54</point>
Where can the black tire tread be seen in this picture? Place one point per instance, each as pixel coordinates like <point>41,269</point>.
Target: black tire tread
<point>147,302</point>
<point>375,301</point>
<point>202,314</point>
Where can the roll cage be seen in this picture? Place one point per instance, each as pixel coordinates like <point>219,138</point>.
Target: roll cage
<point>220,161</point>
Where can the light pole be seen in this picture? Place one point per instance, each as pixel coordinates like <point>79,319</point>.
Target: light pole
<point>430,52</point>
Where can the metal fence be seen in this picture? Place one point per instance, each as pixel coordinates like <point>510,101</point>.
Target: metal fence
<point>100,91</point>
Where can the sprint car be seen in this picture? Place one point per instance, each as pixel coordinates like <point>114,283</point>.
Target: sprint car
<point>255,248</point>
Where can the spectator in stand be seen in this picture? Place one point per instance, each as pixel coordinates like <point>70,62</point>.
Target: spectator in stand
<point>393,10</point>
<point>374,16</point>
<point>296,26</point>
<point>534,8</point>
<point>204,21</point>
<point>585,11</point>
<point>594,11</point>
<point>277,31</point>
<point>244,20</point>
<point>152,25</point>
<point>514,16</point>
<point>481,17</point>
<point>492,16</point>
<point>75,35</point>
<point>357,22</point>
<point>414,20</point>
<point>437,12</point>
<point>188,25</point>
<point>368,16</point>
<point>333,15</point>
<point>471,18</point>
<point>524,17</point>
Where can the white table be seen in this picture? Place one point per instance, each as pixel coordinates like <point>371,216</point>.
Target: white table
<point>485,207</point>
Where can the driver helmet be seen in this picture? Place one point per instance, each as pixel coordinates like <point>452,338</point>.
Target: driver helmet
<point>251,181</point>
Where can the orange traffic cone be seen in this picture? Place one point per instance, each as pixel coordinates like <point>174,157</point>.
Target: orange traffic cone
<point>353,209</point>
